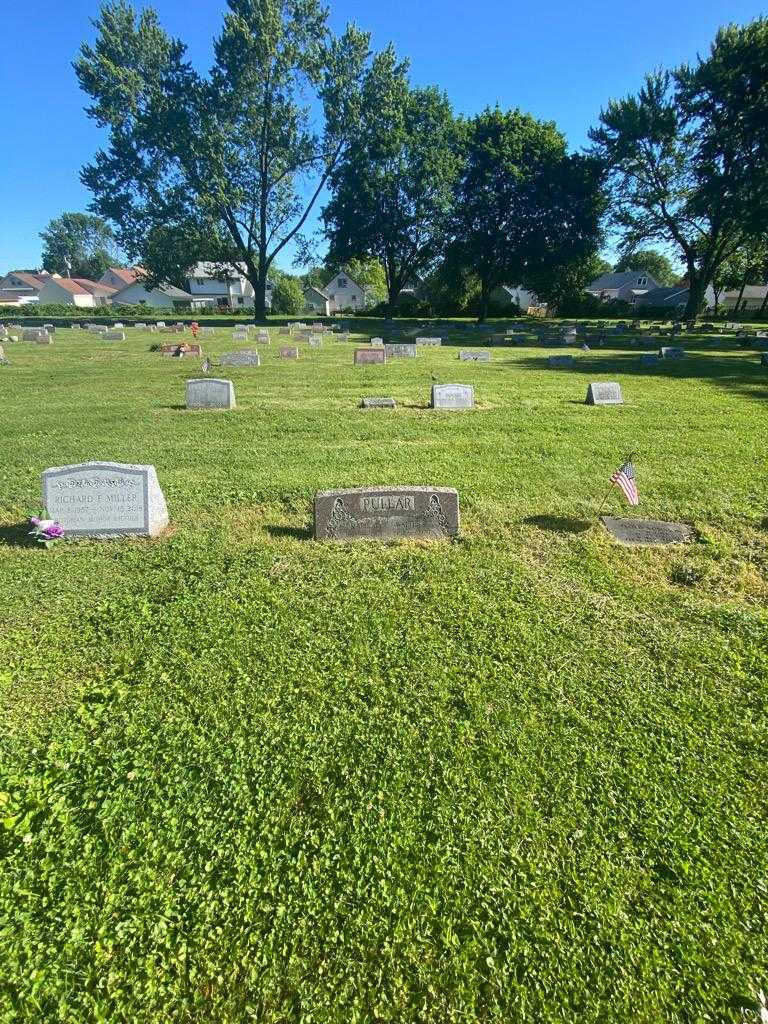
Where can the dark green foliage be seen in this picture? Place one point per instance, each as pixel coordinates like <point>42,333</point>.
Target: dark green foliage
<point>287,294</point>
<point>689,156</point>
<point>78,245</point>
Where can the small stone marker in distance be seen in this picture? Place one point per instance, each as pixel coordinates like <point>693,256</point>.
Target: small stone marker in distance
<point>604,393</point>
<point>648,531</point>
<point>378,403</point>
<point>246,357</point>
<point>210,393</point>
<point>289,352</point>
<point>558,362</point>
<point>364,356</point>
<point>401,351</point>
<point>453,396</point>
<point>671,352</point>
<point>474,356</point>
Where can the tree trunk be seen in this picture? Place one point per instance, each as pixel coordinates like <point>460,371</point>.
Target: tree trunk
<point>259,285</point>
<point>741,293</point>
<point>484,296</point>
<point>697,289</point>
<point>764,303</point>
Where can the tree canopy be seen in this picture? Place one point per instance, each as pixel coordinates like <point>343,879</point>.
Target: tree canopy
<point>228,165</point>
<point>78,245</point>
<point>689,156</point>
<point>391,195</point>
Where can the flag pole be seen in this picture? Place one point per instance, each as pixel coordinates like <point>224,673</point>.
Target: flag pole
<point>629,458</point>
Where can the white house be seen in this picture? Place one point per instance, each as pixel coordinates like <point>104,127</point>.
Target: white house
<point>166,296</point>
<point>316,301</point>
<point>627,285</point>
<point>673,297</point>
<point>75,291</point>
<point>343,293</point>
<point>513,295</point>
<point>212,285</point>
<point>753,297</point>
<point>20,287</point>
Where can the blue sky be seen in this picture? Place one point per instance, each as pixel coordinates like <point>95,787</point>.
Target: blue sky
<point>557,59</point>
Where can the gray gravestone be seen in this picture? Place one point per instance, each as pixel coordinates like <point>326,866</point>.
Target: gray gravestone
<point>35,334</point>
<point>105,499</point>
<point>210,393</point>
<point>470,356</point>
<point>386,513</point>
<point>671,352</point>
<point>363,356</point>
<point>561,361</point>
<point>140,327</point>
<point>378,403</point>
<point>649,359</point>
<point>113,335</point>
<point>247,357</point>
<point>648,531</point>
<point>604,393</point>
<point>429,341</point>
<point>453,396</point>
<point>207,332</point>
<point>289,352</point>
<point>764,359</point>
<point>401,351</point>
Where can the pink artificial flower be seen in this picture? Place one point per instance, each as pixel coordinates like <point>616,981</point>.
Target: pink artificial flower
<point>34,520</point>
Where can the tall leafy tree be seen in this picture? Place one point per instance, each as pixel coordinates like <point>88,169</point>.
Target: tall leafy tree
<point>653,262</point>
<point>230,164</point>
<point>78,245</point>
<point>689,156</point>
<point>391,195</point>
<point>524,210</point>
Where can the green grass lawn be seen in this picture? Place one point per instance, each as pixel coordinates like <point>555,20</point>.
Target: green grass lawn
<point>521,777</point>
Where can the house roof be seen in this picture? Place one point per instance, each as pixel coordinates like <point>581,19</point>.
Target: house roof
<point>167,289</point>
<point>751,291</point>
<point>619,280</point>
<point>35,281</point>
<point>11,296</point>
<point>343,273</point>
<point>83,286</point>
<point>674,296</point>
<point>126,274</point>
<point>318,291</point>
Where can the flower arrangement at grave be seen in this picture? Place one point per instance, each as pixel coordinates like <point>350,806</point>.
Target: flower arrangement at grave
<point>46,531</point>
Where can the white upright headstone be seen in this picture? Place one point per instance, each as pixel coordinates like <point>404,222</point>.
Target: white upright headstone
<point>453,396</point>
<point>105,499</point>
<point>210,393</point>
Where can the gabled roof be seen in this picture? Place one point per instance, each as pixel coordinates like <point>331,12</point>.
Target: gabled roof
<point>318,291</point>
<point>344,273</point>
<point>619,280</point>
<point>751,291</point>
<point>35,281</point>
<point>166,289</point>
<point>82,286</point>
<point>126,274</point>
<point>673,296</point>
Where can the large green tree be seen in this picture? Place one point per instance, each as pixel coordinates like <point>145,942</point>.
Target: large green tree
<point>391,195</point>
<point>287,293</point>
<point>230,164</point>
<point>525,212</point>
<point>78,245</point>
<point>653,262</point>
<point>689,156</point>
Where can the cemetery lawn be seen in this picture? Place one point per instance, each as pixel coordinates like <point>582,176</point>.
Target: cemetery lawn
<point>520,777</point>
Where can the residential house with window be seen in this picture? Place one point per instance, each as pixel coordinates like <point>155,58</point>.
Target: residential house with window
<point>316,301</point>
<point>675,298</point>
<point>165,296</point>
<point>343,293</point>
<point>753,297</point>
<point>119,277</point>
<point>627,286</point>
<point>75,291</point>
<point>20,287</point>
<point>214,286</point>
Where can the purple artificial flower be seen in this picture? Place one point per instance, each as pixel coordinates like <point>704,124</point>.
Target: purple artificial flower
<point>53,532</point>
<point>34,520</point>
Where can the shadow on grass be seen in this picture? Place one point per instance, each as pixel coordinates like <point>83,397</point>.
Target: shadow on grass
<point>174,408</point>
<point>17,536</point>
<point>297,532</point>
<point>745,377</point>
<point>559,524</point>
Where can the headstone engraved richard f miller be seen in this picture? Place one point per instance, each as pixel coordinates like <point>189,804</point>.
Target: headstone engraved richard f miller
<point>210,393</point>
<point>105,499</point>
<point>604,393</point>
<point>387,513</point>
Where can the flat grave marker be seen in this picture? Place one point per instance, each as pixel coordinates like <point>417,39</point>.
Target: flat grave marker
<point>386,513</point>
<point>473,356</point>
<point>105,499</point>
<point>648,531</point>
<point>401,350</point>
<point>378,403</point>
<point>561,362</point>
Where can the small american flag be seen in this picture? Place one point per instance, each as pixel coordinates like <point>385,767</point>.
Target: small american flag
<point>625,478</point>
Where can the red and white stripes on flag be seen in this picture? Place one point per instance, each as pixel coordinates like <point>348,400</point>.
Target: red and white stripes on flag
<point>624,477</point>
